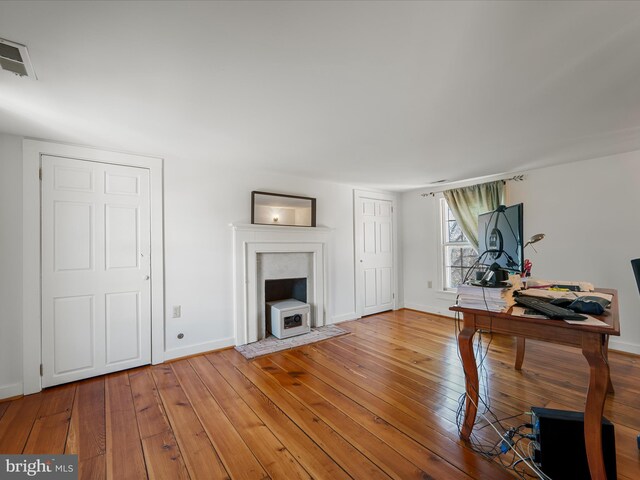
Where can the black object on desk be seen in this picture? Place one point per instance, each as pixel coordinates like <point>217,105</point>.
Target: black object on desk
<point>552,311</point>
<point>635,264</point>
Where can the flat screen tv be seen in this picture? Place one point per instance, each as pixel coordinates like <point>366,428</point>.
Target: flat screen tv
<point>500,238</point>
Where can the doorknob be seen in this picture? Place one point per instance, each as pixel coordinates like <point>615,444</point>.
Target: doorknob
<point>147,277</point>
<point>360,261</point>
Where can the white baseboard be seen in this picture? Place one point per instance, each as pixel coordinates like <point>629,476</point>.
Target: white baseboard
<point>345,317</point>
<point>199,348</point>
<point>13,390</point>
<point>430,309</point>
<point>620,346</point>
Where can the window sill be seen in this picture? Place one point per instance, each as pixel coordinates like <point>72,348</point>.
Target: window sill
<point>446,294</point>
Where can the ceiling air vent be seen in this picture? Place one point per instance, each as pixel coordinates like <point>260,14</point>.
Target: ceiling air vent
<point>14,58</point>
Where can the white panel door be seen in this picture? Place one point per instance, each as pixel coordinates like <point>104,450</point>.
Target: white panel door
<point>96,285</point>
<point>374,254</point>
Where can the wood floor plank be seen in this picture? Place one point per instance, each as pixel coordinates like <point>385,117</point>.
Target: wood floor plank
<point>3,408</point>
<point>306,452</point>
<point>87,431</point>
<point>49,432</point>
<point>198,453</point>
<point>124,456</point>
<point>49,435</point>
<point>438,395</point>
<point>234,453</point>
<point>425,402</point>
<point>370,441</point>
<point>391,396</point>
<point>346,455</point>
<point>330,441</point>
<point>420,455</point>
<point>407,381</point>
<point>429,430</point>
<point>272,454</point>
<point>548,384</point>
<point>93,468</point>
<point>150,413</point>
<point>448,372</point>
<point>379,402</point>
<point>162,455</point>
<point>57,400</point>
<point>399,378</point>
<point>16,423</point>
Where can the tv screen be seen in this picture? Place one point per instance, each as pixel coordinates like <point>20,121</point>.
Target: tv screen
<point>500,238</point>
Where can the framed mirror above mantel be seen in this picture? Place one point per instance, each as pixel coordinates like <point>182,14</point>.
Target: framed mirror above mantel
<point>284,210</point>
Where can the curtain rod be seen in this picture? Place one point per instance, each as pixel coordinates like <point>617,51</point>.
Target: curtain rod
<point>515,178</point>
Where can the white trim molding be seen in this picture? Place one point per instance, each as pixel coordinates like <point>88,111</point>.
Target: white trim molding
<point>357,239</point>
<point>444,311</point>
<point>205,347</point>
<point>628,347</point>
<point>12,390</point>
<point>345,317</point>
<point>32,150</point>
<point>251,240</point>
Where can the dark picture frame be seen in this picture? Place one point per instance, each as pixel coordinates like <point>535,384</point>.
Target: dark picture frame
<point>281,209</point>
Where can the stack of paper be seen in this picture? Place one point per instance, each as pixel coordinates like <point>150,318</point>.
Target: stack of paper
<point>560,284</point>
<point>553,294</point>
<point>491,299</point>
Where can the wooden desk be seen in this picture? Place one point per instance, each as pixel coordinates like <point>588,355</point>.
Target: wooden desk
<point>591,339</point>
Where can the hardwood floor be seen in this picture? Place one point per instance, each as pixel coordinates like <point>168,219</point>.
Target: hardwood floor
<point>380,402</point>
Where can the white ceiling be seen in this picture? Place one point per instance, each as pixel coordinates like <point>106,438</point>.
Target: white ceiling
<point>394,95</point>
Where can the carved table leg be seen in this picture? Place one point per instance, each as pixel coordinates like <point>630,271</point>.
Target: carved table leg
<point>465,342</point>
<point>605,350</point>
<point>592,349</point>
<point>520,344</point>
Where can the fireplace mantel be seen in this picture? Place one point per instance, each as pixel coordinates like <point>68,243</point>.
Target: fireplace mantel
<point>249,227</point>
<point>251,240</point>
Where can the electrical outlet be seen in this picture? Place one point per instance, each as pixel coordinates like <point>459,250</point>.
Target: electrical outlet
<point>429,284</point>
<point>177,311</point>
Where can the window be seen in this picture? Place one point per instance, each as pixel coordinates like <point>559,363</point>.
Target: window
<point>458,256</point>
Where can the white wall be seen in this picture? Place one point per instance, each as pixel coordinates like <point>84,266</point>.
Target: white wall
<point>201,200</point>
<point>419,235</point>
<point>10,265</point>
<point>590,212</point>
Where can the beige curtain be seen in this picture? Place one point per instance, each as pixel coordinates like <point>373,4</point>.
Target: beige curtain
<point>468,202</point>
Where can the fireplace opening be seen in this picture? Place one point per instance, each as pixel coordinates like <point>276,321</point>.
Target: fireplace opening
<point>283,289</point>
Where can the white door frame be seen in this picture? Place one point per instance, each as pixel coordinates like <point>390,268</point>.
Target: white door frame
<point>359,291</point>
<point>32,150</point>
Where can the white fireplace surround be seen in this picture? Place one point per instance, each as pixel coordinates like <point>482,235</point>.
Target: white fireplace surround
<point>279,266</point>
<point>249,241</point>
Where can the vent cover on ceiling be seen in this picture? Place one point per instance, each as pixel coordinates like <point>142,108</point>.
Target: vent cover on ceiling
<point>14,58</point>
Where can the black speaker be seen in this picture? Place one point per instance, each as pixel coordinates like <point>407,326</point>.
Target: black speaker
<point>635,264</point>
<point>562,454</point>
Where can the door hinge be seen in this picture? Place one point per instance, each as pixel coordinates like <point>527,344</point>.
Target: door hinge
<point>40,173</point>
<point>41,370</point>
<point>393,295</point>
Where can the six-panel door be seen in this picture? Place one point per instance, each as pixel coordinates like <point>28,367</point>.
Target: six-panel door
<point>375,253</point>
<point>96,278</point>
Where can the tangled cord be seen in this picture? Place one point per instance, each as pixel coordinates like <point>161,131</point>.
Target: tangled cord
<point>519,462</point>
